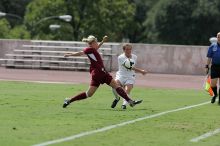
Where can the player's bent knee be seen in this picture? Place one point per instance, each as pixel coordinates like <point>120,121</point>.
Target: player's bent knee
<point>89,94</point>
<point>113,84</point>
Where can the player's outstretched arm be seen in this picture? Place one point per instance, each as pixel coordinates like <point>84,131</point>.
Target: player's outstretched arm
<point>74,54</point>
<point>142,71</point>
<point>105,38</point>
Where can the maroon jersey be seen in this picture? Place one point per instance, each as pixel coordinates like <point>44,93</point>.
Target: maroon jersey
<point>97,69</point>
<point>95,59</point>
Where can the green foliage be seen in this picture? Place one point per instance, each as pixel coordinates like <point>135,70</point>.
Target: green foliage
<point>19,32</point>
<point>97,17</point>
<point>190,22</point>
<point>12,29</point>
<point>14,7</point>
<point>205,21</point>
<point>183,22</point>
<point>135,30</point>
<point>113,18</point>
<point>38,10</point>
<point>4,28</point>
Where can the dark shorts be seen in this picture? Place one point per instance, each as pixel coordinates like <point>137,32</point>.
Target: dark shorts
<point>100,77</point>
<point>215,71</point>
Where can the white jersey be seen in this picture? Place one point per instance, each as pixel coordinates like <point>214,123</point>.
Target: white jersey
<point>122,71</point>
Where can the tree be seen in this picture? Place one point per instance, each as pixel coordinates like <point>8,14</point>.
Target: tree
<point>97,17</point>
<point>19,32</point>
<point>183,22</point>
<point>135,31</point>
<point>14,7</point>
<point>171,21</point>
<point>39,9</point>
<point>11,27</point>
<point>4,28</point>
<point>110,17</point>
<point>205,21</point>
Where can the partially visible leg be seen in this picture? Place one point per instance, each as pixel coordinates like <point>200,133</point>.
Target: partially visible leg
<point>111,82</point>
<point>117,97</point>
<point>123,94</point>
<point>119,90</point>
<point>91,91</point>
<point>128,89</point>
<point>214,89</point>
<point>219,91</point>
<point>81,96</point>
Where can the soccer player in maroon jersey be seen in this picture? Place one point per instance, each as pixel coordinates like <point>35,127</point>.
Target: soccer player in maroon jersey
<point>98,73</point>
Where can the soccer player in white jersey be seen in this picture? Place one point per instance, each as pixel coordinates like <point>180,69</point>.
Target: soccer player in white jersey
<point>126,77</point>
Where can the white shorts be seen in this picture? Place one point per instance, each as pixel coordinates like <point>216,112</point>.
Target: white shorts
<point>125,80</point>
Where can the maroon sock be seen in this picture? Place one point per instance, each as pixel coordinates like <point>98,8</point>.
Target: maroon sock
<point>78,97</point>
<point>122,93</point>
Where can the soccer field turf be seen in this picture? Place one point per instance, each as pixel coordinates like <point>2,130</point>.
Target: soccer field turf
<point>32,113</point>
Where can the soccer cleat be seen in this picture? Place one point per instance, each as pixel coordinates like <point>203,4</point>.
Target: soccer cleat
<point>114,103</point>
<point>137,101</point>
<point>132,103</point>
<point>66,103</point>
<point>123,107</point>
<point>213,99</point>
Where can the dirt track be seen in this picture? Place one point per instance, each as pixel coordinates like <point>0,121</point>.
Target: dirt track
<point>149,80</point>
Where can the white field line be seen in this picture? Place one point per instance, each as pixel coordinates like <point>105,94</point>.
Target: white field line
<point>206,135</point>
<point>117,125</point>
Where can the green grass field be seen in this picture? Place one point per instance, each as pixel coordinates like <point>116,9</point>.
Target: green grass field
<point>32,113</point>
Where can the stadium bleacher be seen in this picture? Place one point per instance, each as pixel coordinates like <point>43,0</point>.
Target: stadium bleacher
<point>50,55</point>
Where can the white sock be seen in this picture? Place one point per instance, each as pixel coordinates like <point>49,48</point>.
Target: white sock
<point>115,94</point>
<point>125,102</point>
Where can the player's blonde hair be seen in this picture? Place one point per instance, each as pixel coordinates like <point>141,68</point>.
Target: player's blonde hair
<point>126,45</point>
<point>89,39</point>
